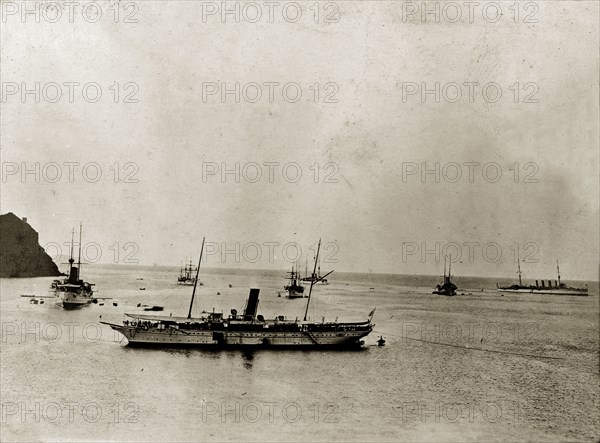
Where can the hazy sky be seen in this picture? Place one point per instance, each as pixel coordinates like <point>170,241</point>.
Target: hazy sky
<point>367,132</point>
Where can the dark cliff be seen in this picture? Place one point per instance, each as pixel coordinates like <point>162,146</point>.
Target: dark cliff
<point>20,253</point>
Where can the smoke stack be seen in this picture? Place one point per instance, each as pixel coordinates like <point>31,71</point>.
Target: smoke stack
<point>252,305</point>
<point>543,285</point>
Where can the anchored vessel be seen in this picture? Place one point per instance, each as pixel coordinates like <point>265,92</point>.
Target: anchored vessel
<point>559,287</point>
<point>186,275</point>
<point>72,291</point>
<point>247,329</point>
<point>321,278</point>
<point>316,277</point>
<point>447,287</point>
<point>308,278</point>
<point>294,289</point>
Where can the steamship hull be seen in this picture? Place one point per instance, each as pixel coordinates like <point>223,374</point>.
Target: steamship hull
<point>234,339</point>
<point>558,288</point>
<point>74,302</point>
<point>562,291</point>
<point>71,296</point>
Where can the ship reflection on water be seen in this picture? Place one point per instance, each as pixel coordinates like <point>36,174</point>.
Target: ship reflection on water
<point>248,357</point>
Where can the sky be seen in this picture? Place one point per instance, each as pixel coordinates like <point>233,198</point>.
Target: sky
<point>504,157</point>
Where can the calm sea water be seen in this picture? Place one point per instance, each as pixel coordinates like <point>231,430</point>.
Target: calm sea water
<point>479,366</point>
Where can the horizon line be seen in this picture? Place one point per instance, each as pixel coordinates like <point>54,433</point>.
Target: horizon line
<point>344,272</point>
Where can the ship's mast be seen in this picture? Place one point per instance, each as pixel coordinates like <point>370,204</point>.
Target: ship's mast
<point>196,281</point>
<point>449,267</point>
<point>71,259</point>
<point>558,273</point>
<point>312,281</point>
<point>519,267</point>
<point>444,268</point>
<point>79,257</point>
<point>72,240</point>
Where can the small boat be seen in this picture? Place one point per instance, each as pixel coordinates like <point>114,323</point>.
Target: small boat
<point>154,308</point>
<point>35,299</point>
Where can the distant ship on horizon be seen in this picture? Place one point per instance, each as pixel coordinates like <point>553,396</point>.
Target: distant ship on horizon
<point>315,276</point>
<point>186,275</point>
<point>294,288</point>
<point>447,287</point>
<point>559,287</point>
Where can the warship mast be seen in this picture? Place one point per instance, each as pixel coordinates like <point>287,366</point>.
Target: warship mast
<point>79,257</point>
<point>519,267</point>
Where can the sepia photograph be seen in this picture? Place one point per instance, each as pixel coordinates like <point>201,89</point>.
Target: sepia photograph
<point>299,221</point>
